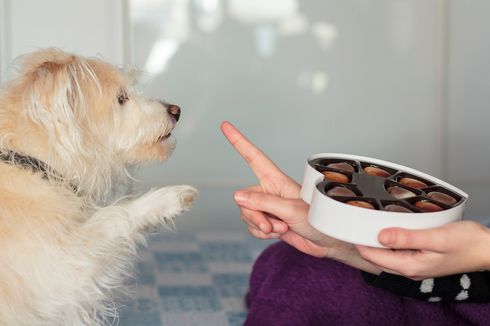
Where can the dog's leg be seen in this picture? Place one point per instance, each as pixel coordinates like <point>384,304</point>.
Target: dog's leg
<point>110,237</point>
<point>153,209</point>
<point>160,206</point>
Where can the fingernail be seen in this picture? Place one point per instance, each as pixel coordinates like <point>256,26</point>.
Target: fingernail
<point>263,228</point>
<point>241,196</point>
<point>386,237</point>
<point>278,228</point>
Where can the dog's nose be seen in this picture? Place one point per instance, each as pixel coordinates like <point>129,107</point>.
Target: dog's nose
<point>174,111</point>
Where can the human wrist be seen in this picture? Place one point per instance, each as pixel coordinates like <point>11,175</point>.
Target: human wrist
<point>347,254</point>
<point>485,253</point>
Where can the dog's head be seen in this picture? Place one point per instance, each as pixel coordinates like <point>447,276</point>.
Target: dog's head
<point>83,117</point>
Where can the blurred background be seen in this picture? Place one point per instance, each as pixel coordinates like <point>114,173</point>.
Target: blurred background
<point>401,80</point>
<point>406,81</point>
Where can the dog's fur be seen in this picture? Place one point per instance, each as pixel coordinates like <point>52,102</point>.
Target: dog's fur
<point>62,255</point>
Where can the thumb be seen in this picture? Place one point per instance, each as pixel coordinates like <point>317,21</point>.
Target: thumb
<point>398,238</point>
<point>288,210</point>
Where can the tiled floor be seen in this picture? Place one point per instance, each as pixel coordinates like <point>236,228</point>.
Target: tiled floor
<point>192,279</point>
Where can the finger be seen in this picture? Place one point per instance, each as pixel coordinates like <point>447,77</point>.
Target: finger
<point>261,235</point>
<point>263,221</point>
<point>278,226</point>
<point>429,239</point>
<point>256,188</point>
<point>399,262</point>
<point>288,210</point>
<point>260,164</point>
<point>248,222</point>
<point>256,219</point>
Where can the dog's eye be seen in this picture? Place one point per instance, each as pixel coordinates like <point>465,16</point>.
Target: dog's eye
<point>122,98</point>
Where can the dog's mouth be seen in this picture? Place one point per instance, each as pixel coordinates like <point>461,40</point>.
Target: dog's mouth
<point>164,137</point>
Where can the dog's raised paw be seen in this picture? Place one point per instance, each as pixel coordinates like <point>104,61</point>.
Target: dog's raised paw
<point>166,202</point>
<point>187,195</point>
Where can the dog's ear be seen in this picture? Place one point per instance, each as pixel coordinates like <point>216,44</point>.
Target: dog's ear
<point>54,89</point>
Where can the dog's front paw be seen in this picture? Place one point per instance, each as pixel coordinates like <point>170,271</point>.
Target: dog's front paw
<point>187,194</point>
<point>162,205</point>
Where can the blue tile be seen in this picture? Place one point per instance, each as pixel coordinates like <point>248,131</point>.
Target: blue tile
<point>140,312</point>
<point>178,262</point>
<point>236,318</point>
<point>188,298</point>
<point>225,251</point>
<point>145,273</point>
<point>183,302</point>
<point>175,237</point>
<point>231,285</point>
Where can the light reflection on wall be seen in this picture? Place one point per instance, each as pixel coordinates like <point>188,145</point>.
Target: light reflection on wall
<point>163,26</point>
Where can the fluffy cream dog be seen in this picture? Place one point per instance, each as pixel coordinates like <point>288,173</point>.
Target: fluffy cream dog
<point>69,129</point>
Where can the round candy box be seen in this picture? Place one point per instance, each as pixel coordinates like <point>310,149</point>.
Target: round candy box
<point>352,198</point>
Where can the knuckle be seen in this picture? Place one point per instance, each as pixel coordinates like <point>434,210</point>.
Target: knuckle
<point>249,159</point>
<point>364,254</point>
<point>409,272</point>
<point>412,272</point>
<point>244,219</point>
<point>253,219</point>
<point>257,233</point>
<point>403,239</point>
<point>257,202</point>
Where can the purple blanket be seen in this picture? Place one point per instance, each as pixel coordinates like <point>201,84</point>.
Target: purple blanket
<point>288,287</point>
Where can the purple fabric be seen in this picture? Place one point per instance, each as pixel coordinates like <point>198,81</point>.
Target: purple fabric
<point>288,287</point>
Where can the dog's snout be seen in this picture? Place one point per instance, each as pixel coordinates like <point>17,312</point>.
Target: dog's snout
<point>174,111</point>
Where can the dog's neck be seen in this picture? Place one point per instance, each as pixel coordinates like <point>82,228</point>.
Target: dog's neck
<point>32,163</point>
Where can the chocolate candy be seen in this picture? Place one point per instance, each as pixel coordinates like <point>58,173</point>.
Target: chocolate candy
<point>360,203</point>
<point>343,166</point>
<point>341,191</point>
<point>400,192</point>
<point>442,197</point>
<point>374,170</point>
<point>397,208</point>
<point>366,184</point>
<point>428,207</point>
<point>412,183</point>
<point>336,176</point>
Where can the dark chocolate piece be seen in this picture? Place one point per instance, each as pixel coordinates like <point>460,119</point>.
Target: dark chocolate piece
<point>343,166</point>
<point>374,170</point>
<point>336,176</point>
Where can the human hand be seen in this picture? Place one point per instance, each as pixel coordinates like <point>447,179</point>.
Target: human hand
<point>273,208</point>
<point>271,181</point>
<point>454,248</point>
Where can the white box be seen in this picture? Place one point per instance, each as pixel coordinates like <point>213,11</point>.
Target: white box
<point>360,225</point>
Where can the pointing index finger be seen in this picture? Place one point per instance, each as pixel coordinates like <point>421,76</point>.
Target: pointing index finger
<point>260,164</point>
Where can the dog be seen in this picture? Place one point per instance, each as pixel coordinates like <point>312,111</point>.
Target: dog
<point>71,128</point>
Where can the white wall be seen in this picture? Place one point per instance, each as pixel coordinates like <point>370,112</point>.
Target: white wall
<point>469,102</point>
<point>299,77</point>
<point>88,27</point>
<point>4,43</point>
